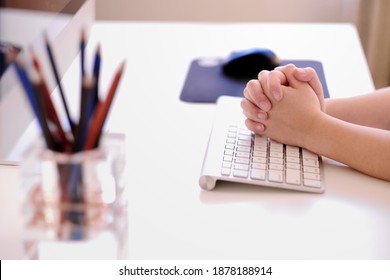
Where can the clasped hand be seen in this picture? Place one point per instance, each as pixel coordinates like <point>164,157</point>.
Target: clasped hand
<point>285,104</point>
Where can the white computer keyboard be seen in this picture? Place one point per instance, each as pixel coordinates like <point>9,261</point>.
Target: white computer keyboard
<point>254,159</point>
<point>236,154</point>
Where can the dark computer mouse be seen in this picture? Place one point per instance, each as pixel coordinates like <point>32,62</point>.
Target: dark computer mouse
<point>248,63</point>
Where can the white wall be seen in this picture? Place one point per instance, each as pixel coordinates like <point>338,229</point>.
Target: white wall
<point>229,10</point>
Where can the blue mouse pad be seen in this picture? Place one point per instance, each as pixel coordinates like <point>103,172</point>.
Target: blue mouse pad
<point>205,81</point>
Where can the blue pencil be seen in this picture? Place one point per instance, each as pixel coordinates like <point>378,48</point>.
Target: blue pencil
<point>82,53</point>
<point>96,74</point>
<point>28,88</point>
<point>36,106</point>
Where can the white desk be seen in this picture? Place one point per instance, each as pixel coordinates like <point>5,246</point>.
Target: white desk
<point>170,217</point>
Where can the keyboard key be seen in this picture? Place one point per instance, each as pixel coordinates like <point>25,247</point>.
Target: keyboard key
<point>276,154</point>
<point>244,143</point>
<point>231,140</point>
<point>310,162</point>
<point>229,152</point>
<point>275,176</point>
<point>292,149</point>
<point>308,154</point>
<point>258,174</point>
<point>275,166</point>
<point>293,159</point>
<point>259,159</point>
<point>260,154</point>
<point>312,183</point>
<point>312,176</point>
<point>259,140</point>
<point>225,171</point>
<point>245,137</point>
<point>292,153</point>
<point>242,160</point>
<point>256,165</point>
<point>276,147</point>
<point>308,169</point>
<point>227,158</point>
<point>243,154</point>
<point>244,149</point>
<point>230,146</point>
<point>291,165</point>
<point>240,173</point>
<point>245,132</point>
<point>239,166</point>
<point>260,148</point>
<point>226,164</point>
<point>276,160</point>
<point>232,135</point>
<point>293,176</point>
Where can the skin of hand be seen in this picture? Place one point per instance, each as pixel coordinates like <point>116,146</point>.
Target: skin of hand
<point>257,104</point>
<point>275,79</point>
<point>291,119</point>
<point>367,110</point>
<point>354,131</point>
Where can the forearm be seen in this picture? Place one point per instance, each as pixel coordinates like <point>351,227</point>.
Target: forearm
<point>368,110</point>
<point>363,148</point>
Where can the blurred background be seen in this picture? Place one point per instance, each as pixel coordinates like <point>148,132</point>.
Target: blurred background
<point>371,18</point>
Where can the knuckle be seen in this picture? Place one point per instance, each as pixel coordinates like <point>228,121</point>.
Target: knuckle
<point>263,73</point>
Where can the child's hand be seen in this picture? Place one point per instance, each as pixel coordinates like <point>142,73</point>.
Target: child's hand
<point>256,103</point>
<point>292,119</point>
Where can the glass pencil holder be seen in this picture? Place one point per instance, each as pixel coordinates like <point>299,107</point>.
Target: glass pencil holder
<point>74,206</point>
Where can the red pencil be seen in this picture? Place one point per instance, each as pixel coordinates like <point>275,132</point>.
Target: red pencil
<point>52,114</point>
<point>101,112</point>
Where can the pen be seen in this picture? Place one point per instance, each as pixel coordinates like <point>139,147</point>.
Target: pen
<point>101,112</point>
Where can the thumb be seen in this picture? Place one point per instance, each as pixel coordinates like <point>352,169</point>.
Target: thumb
<point>289,71</point>
<point>310,76</point>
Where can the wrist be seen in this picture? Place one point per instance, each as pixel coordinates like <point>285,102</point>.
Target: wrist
<point>314,136</point>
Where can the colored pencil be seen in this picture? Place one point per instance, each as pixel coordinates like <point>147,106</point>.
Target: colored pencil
<point>84,119</point>
<point>51,111</point>
<point>82,53</point>
<point>101,112</point>
<point>93,111</point>
<point>26,83</point>
<point>96,74</point>
<point>30,90</point>
<point>45,122</point>
<point>55,72</point>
